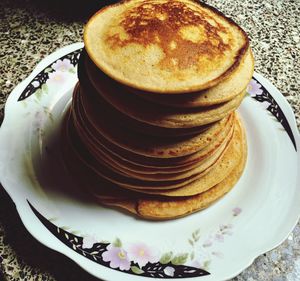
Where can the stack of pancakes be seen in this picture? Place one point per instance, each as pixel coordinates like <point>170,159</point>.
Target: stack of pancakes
<point>152,127</point>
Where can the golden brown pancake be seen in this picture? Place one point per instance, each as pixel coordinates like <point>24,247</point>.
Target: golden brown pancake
<point>159,174</point>
<point>160,208</point>
<point>222,167</point>
<point>108,173</point>
<point>179,164</point>
<point>163,187</point>
<point>145,145</point>
<point>226,90</point>
<point>175,168</point>
<point>194,170</point>
<point>165,46</point>
<point>85,178</point>
<point>96,100</point>
<point>164,209</point>
<point>152,127</point>
<point>148,206</point>
<point>142,172</point>
<point>216,174</point>
<point>95,143</point>
<point>154,114</point>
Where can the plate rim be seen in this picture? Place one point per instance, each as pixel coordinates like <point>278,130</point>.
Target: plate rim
<point>280,99</point>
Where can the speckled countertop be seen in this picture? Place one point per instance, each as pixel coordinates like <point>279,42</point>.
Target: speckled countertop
<point>30,30</point>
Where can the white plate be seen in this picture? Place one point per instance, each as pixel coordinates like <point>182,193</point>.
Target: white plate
<point>214,244</point>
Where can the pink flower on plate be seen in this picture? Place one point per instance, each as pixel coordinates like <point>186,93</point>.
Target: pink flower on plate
<point>236,211</point>
<point>219,237</point>
<point>117,257</point>
<point>226,229</point>
<point>57,77</point>
<point>207,243</point>
<point>264,104</point>
<point>62,65</point>
<point>254,88</point>
<point>218,254</point>
<point>142,254</point>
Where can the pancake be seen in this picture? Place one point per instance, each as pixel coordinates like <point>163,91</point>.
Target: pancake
<point>164,209</point>
<point>154,114</point>
<point>152,127</point>
<point>181,173</point>
<point>179,164</point>
<point>142,172</point>
<point>106,172</point>
<point>165,46</point>
<point>224,164</point>
<point>140,144</point>
<point>215,174</point>
<point>160,208</point>
<point>194,170</point>
<point>139,168</point>
<point>94,99</point>
<point>147,206</point>
<point>220,93</point>
<point>100,144</point>
<point>86,180</point>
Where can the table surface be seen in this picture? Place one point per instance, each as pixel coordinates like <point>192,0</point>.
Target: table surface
<point>31,29</point>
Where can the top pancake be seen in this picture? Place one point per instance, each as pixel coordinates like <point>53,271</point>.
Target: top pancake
<point>165,46</point>
<point>226,90</point>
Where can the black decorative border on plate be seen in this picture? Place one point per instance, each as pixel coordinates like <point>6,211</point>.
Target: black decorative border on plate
<point>43,76</point>
<point>275,109</point>
<point>153,270</point>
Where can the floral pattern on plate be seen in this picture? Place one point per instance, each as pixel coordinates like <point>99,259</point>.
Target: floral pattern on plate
<point>53,73</point>
<point>139,258</point>
<point>259,93</point>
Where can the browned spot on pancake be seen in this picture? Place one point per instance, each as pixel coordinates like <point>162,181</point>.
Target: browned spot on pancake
<point>187,37</point>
